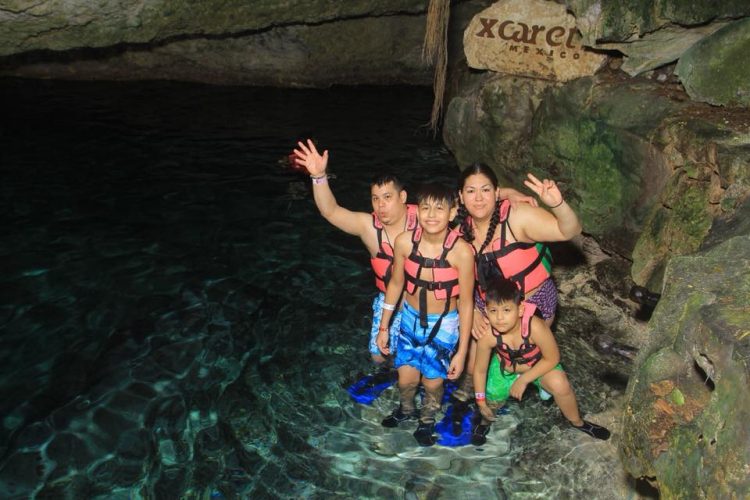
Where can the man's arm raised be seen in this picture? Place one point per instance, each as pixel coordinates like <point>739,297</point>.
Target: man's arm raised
<point>355,223</point>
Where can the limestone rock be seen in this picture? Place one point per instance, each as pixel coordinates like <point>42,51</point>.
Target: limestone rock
<point>296,43</point>
<point>69,24</point>
<point>685,421</point>
<point>370,50</point>
<point>715,70</point>
<point>535,38</point>
<point>626,20</point>
<point>490,121</point>
<point>664,46</point>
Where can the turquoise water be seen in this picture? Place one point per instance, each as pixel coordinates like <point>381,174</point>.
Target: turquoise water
<point>179,322</point>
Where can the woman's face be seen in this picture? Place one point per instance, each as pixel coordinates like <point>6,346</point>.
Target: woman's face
<point>479,196</point>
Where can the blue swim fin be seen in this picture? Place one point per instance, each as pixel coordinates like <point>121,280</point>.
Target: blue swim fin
<point>455,427</point>
<point>369,387</point>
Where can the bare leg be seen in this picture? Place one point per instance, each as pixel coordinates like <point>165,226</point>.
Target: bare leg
<point>433,397</point>
<point>408,381</point>
<point>556,383</point>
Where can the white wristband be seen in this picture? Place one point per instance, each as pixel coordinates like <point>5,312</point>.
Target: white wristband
<point>389,307</point>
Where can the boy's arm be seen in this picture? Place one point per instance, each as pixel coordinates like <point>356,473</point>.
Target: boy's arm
<point>394,290</point>
<point>542,336</point>
<point>464,263</point>
<point>481,365</point>
<point>355,223</point>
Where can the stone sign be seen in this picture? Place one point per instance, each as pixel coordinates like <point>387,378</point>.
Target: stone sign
<point>535,38</point>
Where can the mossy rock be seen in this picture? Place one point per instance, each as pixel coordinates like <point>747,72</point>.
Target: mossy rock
<point>715,69</point>
<point>696,445</point>
<point>620,20</point>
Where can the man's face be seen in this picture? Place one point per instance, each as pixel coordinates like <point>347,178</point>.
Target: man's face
<point>504,315</point>
<point>388,203</point>
<point>434,215</point>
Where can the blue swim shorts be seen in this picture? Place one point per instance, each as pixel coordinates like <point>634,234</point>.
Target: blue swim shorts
<point>499,382</point>
<point>377,313</point>
<point>433,359</point>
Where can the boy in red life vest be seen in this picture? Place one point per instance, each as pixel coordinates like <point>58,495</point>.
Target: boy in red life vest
<point>434,267</point>
<point>527,353</point>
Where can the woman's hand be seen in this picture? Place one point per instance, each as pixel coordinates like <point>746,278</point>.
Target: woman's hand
<point>307,156</point>
<point>480,326</point>
<point>547,190</point>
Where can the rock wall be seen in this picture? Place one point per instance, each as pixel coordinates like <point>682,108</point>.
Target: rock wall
<point>293,43</point>
<point>685,420</point>
<point>658,168</point>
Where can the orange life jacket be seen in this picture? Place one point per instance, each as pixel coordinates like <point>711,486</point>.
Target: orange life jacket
<point>382,263</point>
<point>527,353</point>
<point>444,282</point>
<point>528,264</point>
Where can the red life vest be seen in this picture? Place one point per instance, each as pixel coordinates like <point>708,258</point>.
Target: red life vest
<point>528,264</point>
<point>527,353</point>
<point>382,263</point>
<point>444,282</point>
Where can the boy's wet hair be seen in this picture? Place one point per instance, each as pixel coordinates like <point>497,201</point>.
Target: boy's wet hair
<point>501,289</point>
<point>383,179</point>
<point>433,191</point>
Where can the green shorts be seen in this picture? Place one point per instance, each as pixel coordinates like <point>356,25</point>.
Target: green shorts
<point>499,382</point>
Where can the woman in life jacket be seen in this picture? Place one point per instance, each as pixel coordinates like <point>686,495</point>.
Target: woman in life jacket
<point>509,241</point>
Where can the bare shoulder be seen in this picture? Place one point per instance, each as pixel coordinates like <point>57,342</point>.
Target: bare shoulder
<point>540,330</point>
<point>403,241</point>
<point>463,250</point>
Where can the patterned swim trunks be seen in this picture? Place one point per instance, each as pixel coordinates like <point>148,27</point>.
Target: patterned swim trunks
<point>377,313</point>
<point>433,359</point>
<point>545,298</point>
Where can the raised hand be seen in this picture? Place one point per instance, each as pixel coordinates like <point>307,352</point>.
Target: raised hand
<point>306,155</point>
<point>547,190</point>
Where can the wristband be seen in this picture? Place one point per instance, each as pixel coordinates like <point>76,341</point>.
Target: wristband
<point>383,329</point>
<point>480,396</point>
<point>319,180</point>
<point>561,202</point>
<point>389,307</point>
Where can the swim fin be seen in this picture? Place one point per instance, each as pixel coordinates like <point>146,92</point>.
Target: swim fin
<point>368,388</point>
<point>455,427</point>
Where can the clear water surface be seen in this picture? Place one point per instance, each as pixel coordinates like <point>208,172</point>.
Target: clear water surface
<point>179,322</point>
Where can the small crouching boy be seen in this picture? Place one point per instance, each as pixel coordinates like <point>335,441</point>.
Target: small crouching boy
<point>525,352</point>
<point>436,267</point>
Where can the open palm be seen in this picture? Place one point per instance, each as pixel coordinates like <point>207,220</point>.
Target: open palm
<point>307,155</point>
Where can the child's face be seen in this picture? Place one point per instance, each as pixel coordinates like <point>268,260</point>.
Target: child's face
<point>505,315</point>
<point>434,215</point>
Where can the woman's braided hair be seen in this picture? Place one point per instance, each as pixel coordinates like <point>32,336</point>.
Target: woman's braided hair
<point>463,214</point>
